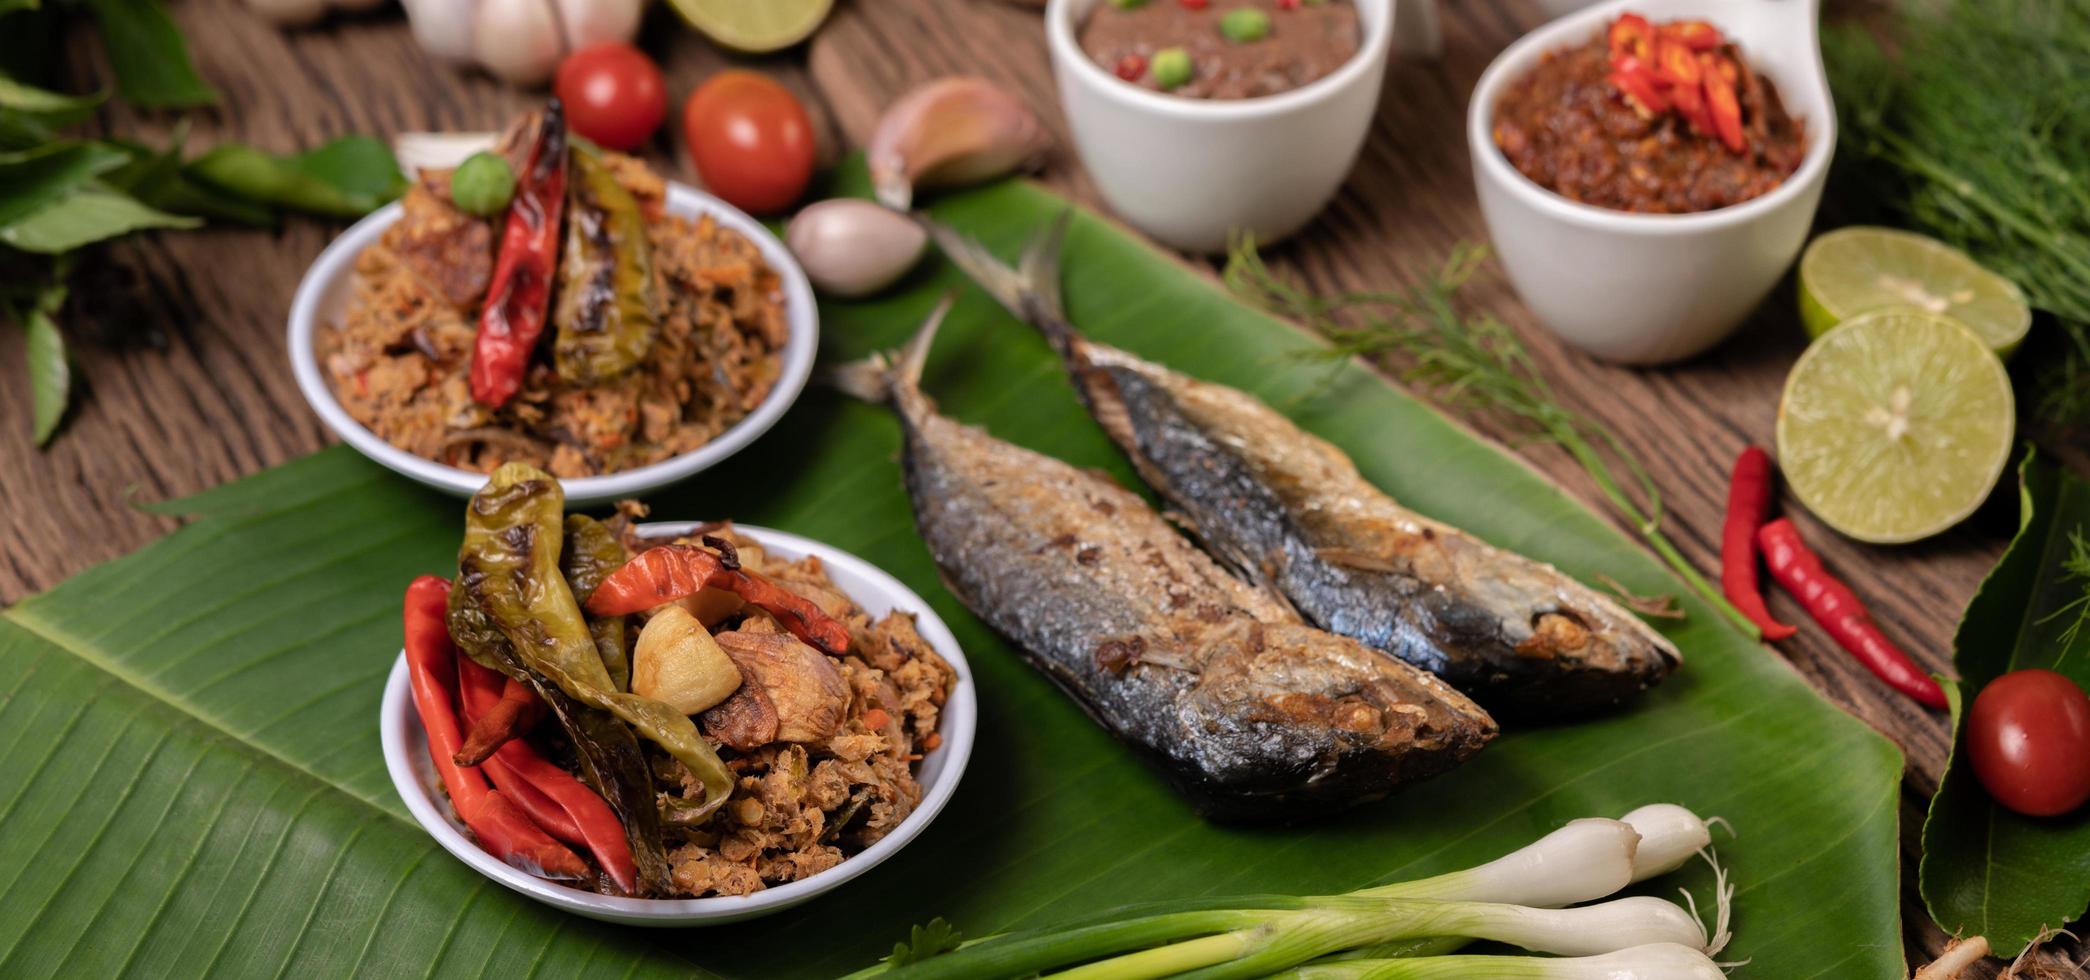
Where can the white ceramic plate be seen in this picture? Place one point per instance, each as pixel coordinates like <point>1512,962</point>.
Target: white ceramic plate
<point>406,756</point>
<point>323,297</point>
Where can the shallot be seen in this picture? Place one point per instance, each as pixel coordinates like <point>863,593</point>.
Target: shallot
<point>851,247</point>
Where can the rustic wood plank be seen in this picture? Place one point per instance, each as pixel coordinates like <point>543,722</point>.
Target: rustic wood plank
<point>180,340</point>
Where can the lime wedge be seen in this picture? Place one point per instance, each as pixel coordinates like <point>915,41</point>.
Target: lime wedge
<point>1856,270</point>
<point>1895,425</point>
<point>755,26</point>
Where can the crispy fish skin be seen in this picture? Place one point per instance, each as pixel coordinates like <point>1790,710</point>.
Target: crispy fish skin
<point>1292,512</point>
<point>1249,712</point>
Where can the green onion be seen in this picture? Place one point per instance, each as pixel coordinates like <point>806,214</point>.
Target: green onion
<point>1669,961</point>
<point>1287,938</point>
<point>1251,936</point>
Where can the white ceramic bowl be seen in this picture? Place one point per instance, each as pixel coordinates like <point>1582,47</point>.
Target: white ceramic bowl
<point>406,757</point>
<point>1190,171</point>
<point>1648,288</point>
<point>323,296</point>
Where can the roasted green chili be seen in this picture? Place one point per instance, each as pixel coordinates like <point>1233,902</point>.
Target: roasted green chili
<point>607,313</point>
<point>592,552</point>
<point>510,565</point>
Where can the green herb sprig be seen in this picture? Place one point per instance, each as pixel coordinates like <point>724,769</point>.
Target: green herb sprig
<point>2075,568</point>
<point>1474,362</point>
<point>60,194</point>
<point>1976,129</point>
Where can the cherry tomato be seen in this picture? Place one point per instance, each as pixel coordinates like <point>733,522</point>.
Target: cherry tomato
<point>2028,734</point>
<point>750,139</point>
<point>613,94</point>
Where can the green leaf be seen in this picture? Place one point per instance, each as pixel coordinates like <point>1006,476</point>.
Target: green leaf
<point>29,98</point>
<point>85,216</point>
<point>50,374</point>
<point>222,687</point>
<point>151,61</point>
<point>27,105</point>
<point>32,180</point>
<point>1987,871</point>
<point>346,178</point>
<point>924,941</point>
<point>157,178</point>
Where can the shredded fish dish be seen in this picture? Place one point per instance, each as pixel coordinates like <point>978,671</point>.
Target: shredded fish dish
<point>800,807</point>
<point>401,359</point>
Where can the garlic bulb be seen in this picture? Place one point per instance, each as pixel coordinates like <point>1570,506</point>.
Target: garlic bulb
<point>851,247</point>
<point>951,131</point>
<point>516,40</point>
<point>519,41</point>
<point>677,663</point>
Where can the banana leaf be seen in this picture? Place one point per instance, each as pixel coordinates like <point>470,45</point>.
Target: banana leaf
<point>1987,871</point>
<point>190,777</point>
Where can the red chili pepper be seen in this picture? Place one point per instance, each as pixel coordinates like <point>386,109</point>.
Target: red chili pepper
<point>561,803</point>
<point>1639,84</point>
<point>520,291</point>
<point>1287,4</point>
<point>670,572</point>
<point>1748,506</point>
<point>1721,104</point>
<point>1195,4</point>
<point>501,827</point>
<point>517,710</point>
<point>1837,609</point>
<point>480,693</point>
<point>1695,34</point>
<point>1131,67</point>
<point>1631,35</point>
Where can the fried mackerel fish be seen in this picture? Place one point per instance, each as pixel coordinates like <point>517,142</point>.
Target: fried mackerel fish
<point>1248,711</point>
<point>1291,512</point>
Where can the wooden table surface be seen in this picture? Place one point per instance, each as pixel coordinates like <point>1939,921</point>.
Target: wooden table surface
<point>180,337</point>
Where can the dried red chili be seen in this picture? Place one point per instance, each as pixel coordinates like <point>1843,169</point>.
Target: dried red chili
<point>520,292</point>
<point>1748,506</point>
<point>517,710</point>
<point>1131,67</point>
<point>501,827</point>
<point>671,572</point>
<point>557,801</point>
<point>1837,609</point>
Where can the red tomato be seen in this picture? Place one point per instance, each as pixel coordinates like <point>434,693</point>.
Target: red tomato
<point>2029,737</point>
<point>750,139</point>
<point>613,94</point>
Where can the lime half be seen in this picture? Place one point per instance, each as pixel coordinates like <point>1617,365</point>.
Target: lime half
<point>755,25</point>
<point>1895,425</point>
<point>1857,270</point>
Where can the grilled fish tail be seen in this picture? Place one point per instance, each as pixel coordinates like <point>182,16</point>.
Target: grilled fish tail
<point>1030,289</point>
<point>895,377</point>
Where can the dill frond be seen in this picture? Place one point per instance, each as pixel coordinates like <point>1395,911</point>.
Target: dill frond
<point>1471,362</point>
<point>1977,130</point>
<point>2074,568</point>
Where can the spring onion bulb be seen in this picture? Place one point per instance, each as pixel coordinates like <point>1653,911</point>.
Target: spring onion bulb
<point>1585,860</point>
<point>1669,835</point>
<point>1655,961</point>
